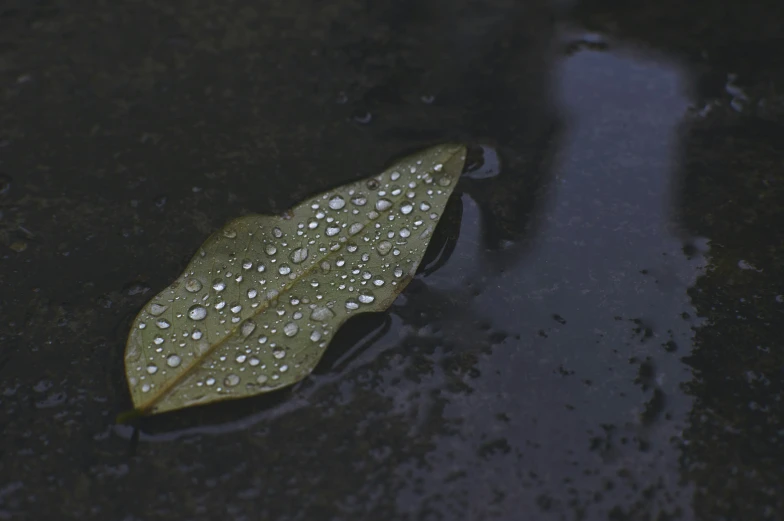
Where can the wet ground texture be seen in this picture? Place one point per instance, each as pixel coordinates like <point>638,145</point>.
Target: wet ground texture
<point>594,336</point>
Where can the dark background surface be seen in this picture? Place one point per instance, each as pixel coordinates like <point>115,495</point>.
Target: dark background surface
<point>604,342</point>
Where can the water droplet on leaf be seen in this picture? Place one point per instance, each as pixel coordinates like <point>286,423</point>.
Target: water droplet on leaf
<point>193,285</point>
<point>337,202</point>
<point>299,255</point>
<point>247,328</point>
<point>321,314</point>
<point>290,329</point>
<point>197,312</point>
<point>156,309</point>
<point>384,247</point>
<point>162,323</point>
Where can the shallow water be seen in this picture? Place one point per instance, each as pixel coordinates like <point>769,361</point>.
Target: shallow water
<point>596,339</point>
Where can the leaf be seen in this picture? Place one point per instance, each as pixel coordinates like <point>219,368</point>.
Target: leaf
<point>257,305</point>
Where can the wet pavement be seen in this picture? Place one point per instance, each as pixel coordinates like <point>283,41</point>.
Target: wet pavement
<point>595,332</point>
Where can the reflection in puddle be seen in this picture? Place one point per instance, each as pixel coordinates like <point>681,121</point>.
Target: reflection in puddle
<point>592,388</point>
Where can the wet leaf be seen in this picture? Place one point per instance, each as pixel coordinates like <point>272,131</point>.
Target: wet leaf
<point>258,304</point>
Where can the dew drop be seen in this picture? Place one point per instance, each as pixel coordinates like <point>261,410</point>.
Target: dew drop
<point>352,304</point>
<point>424,206</point>
<point>142,325</point>
<point>384,247</point>
<point>278,352</point>
<point>247,328</point>
<point>152,369</point>
<point>332,230</point>
<point>337,202</point>
<point>158,340</point>
<point>252,293</point>
<point>146,388</point>
<point>229,233</point>
<point>262,339</point>
<point>351,247</point>
<point>247,264</point>
<point>262,379</point>
<point>277,232</point>
<point>372,184</point>
<point>260,268</point>
<point>218,285</point>
<point>378,283</point>
<point>405,233</point>
<point>236,308</point>
<point>383,204</point>
<point>220,305</point>
<point>321,314</point>
<point>340,262</point>
<point>394,176</point>
<point>299,255</point>
<point>156,309</point>
<point>290,329</point>
<point>231,380</point>
<point>193,285</point>
<point>355,228</point>
<point>366,297</point>
<point>173,361</point>
<point>313,224</point>
<point>359,200</point>
<point>284,269</point>
<point>162,323</point>
<point>284,368</point>
<point>197,312</point>
<point>196,335</point>
<point>398,272</point>
<point>253,361</point>
<point>240,359</point>
<point>445,181</point>
<point>407,207</point>
<point>315,335</point>
<point>271,250</point>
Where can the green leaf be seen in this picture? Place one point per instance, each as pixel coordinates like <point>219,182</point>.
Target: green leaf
<point>262,298</point>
